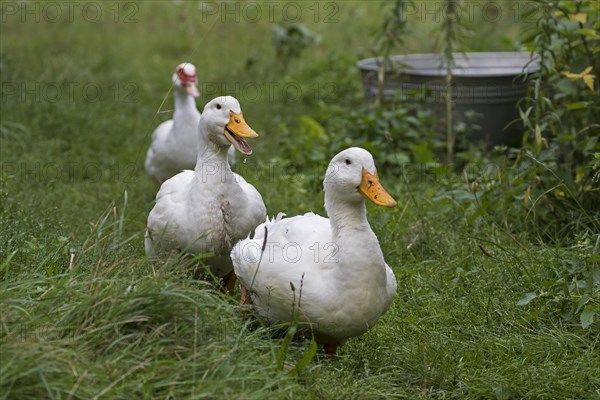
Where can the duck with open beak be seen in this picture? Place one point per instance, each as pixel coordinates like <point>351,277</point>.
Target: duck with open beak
<point>237,130</point>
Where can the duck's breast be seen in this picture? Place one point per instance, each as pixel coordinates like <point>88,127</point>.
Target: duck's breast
<point>223,212</point>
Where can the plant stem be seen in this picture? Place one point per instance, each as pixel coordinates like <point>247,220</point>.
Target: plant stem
<point>449,31</point>
<point>394,26</point>
<point>449,132</point>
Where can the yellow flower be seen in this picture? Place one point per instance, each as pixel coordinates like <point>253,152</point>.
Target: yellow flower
<point>579,17</point>
<point>585,75</point>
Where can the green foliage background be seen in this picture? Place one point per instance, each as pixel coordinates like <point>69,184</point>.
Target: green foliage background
<point>496,254</point>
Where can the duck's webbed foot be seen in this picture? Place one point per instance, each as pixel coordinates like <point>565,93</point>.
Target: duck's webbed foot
<point>330,349</point>
<point>245,296</point>
<point>229,282</point>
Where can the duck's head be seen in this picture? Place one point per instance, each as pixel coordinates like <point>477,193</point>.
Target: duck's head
<point>224,124</point>
<point>184,78</point>
<point>352,174</point>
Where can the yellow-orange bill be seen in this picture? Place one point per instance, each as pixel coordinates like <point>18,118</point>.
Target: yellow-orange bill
<point>238,126</point>
<point>372,189</point>
<point>236,130</point>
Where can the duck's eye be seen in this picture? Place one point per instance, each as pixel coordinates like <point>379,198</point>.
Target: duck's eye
<point>348,162</point>
<point>218,106</point>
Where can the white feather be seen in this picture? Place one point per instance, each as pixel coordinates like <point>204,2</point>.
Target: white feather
<point>336,266</point>
<point>175,142</point>
<point>210,208</point>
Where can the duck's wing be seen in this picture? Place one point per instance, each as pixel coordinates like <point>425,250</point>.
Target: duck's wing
<point>276,239</point>
<point>175,188</point>
<point>162,131</point>
<point>391,287</point>
<point>155,163</point>
<point>292,258</point>
<point>169,210</point>
<point>299,229</point>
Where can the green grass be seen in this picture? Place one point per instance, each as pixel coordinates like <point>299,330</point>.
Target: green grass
<point>116,326</point>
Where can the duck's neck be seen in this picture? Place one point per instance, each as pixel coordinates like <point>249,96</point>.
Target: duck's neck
<point>357,249</point>
<point>185,106</point>
<point>212,163</point>
<point>346,217</point>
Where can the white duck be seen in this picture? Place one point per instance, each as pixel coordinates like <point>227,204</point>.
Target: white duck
<point>175,142</point>
<point>328,272</point>
<point>210,208</point>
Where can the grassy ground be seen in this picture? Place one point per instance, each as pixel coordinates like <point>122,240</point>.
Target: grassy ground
<point>81,95</point>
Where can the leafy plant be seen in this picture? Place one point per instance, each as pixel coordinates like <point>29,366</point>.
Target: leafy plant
<point>291,331</point>
<point>573,287</point>
<point>389,37</point>
<point>562,116</point>
<point>290,42</point>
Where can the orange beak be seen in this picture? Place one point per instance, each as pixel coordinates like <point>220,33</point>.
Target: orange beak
<point>237,130</point>
<point>371,188</point>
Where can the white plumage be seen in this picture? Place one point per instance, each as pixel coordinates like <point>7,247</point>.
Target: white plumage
<point>175,142</point>
<point>336,266</point>
<point>210,208</point>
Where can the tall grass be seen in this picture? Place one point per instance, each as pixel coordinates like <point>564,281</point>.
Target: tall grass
<point>485,309</point>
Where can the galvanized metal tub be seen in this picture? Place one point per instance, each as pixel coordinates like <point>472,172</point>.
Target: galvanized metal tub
<point>489,83</point>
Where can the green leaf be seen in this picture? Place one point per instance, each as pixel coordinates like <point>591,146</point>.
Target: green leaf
<point>587,32</point>
<point>479,212</point>
<point>527,298</point>
<point>6,263</point>
<point>538,139</point>
<point>306,358</point>
<point>582,302</point>
<point>422,153</point>
<point>579,105</point>
<point>587,316</point>
<point>312,128</point>
<point>289,335</point>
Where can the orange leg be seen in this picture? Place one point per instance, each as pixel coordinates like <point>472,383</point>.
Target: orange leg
<point>229,282</point>
<point>330,349</point>
<point>245,297</point>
